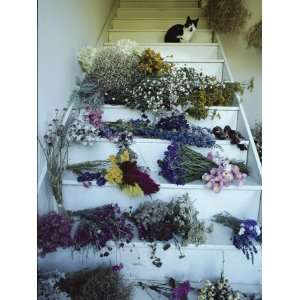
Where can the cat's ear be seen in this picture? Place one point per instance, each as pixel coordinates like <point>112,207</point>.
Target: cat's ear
<point>196,22</point>
<point>188,19</point>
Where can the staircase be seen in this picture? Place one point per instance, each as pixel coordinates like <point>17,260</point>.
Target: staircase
<point>146,22</point>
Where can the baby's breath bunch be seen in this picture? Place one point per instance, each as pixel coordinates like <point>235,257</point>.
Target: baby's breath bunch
<point>86,57</point>
<point>115,70</point>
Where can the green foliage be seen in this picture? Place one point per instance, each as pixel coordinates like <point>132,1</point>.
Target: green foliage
<point>101,283</point>
<point>254,36</point>
<point>257,136</point>
<point>226,15</point>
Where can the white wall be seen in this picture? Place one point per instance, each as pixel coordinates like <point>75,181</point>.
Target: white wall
<point>64,26</point>
<point>246,62</point>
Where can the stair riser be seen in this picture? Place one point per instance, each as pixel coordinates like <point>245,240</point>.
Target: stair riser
<point>196,52</point>
<point>155,36</point>
<point>240,203</point>
<point>152,23</point>
<point>158,13</point>
<point>227,117</point>
<point>157,4</point>
<point>198,264</point>
<point>103,149</point>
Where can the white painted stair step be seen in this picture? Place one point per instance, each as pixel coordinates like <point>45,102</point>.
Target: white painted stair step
<point>154,35</point>
<point>241,201</point>
<point>152,23</point>
<point>201,262</point>
<point>155,3</point>
<point>196,51</point>
<point>159,12</point>
<point>218,116</point>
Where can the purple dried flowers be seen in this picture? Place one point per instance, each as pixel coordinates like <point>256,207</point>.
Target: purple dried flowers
<point>117,268</point>
<point>182,165</point>
<point>101,228</point>
<point>181,292</point>
<point>93,117</point>
<point>54,231</point>
<point>245,233</point>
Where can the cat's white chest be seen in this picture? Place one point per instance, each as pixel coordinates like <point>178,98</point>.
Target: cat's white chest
<point>187,34</point>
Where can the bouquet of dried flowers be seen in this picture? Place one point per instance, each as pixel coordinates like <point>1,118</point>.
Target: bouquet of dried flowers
<point>245,233</point>
<point>159,94</point>
<point>151,63</point>
<point>172,128</point>
<point>101,228</point>
<point>47,286</point>
<point>86,58</point>
<point>226,15</point>
<point>115,70</point>
<point>85,128</point>
<point>172,290</point>
<point>121,170</point>
<point>176,220</point>
<point>212,92</point>
<point>55,148</point>
<point>95,284</point>
<point>254,36</point>
<point>182,165</point>
<point>218,290</point>
<point>53,231</point>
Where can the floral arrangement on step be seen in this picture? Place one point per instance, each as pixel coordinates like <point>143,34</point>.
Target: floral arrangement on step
<point>53,232</point>
<point>120,170</point>
<point>219,289</point>
<point>172,290</point>
<point>254,35</point>
<point>257,136</point>
<point>85,127</point>
<point>245,233</point>
<point>172,128</point>
<point>55,146</point>
<point>226,15</point>
<point>164,221</point>
<point>229,134</point>
<point>182,165</point>
<point>212,92</point>
<point>121,75</point>
<point>101,229</point>
<point>152,63</point>
<point>99,283</point>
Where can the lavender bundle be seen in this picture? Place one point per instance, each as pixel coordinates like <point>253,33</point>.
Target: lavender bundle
<point>182,165</point>
<point>245,233</point>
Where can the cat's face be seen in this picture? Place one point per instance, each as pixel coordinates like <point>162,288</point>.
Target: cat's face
<point>191,25</point>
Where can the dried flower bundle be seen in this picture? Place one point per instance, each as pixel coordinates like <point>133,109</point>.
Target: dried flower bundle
<point>212,93</point>
<point>173,128</point>
<point>172,290</point>
<point>220,289</point>
<point>182,165</point>
<point>151,63</point>
<point>102,228</point>
<point>55,147</point>
<point>226,15</point>
<point>245,233</point>
<point>99,283</point>
<point>122,171</point>
<point>162,221</point>
<point>254,36</point>
<point>54,231</point>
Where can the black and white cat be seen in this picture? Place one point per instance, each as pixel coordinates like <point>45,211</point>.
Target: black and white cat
<point>182,33</point>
